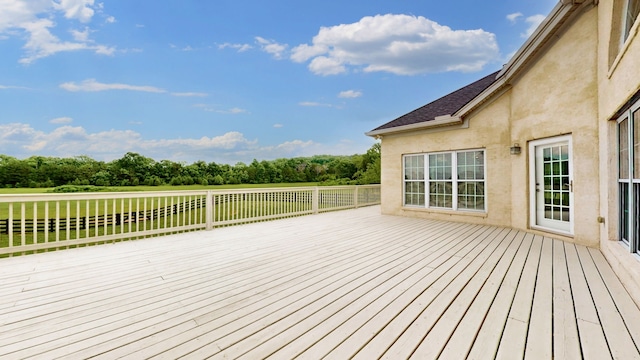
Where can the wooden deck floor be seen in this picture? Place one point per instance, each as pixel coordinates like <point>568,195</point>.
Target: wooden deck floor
<point>336,285</point>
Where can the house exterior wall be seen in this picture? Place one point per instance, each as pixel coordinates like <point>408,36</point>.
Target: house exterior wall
<point>618,79</point>
<point>557,95</point>
<point>488,130</point>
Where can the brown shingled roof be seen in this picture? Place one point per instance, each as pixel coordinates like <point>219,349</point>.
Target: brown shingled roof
<point>446,105</point>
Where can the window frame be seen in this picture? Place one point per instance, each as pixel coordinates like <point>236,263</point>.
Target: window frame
<point>452,181</point>
<point>628,177</point>
<point>627,22</point>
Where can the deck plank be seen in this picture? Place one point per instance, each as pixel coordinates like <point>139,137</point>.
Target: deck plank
<point>466,333</point>
<point>411,338</point>
<point>335,285</point>
<point>625,305</point>
<point>422,297</point>
<point>566,340</point>
<point>440,334</point>
<point>592,340</point>
<point>487,341</point>
<point>330,276</point>
<point>540,335</point>
<point>512,343</point>
<point>306,321</point>
<point>618,338</point>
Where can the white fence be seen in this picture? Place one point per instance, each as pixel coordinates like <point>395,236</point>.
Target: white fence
<point>46,221</point>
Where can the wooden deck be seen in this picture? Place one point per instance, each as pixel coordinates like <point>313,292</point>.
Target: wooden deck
<point>336,285</point>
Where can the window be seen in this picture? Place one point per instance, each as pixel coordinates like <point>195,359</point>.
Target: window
<point>455,180</point>
<point>629,177</point>
<point>630,16</point>
<point>414,180</point>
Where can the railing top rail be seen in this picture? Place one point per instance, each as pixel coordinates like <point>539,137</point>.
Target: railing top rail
<point>95,195</point>
<point>5,198</point>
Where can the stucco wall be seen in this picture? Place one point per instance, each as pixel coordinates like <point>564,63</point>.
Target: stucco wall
<point>556,95</point>
<point>489,130</point>
<point>619,79</point>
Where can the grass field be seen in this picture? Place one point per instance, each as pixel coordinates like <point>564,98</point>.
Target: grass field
<point>150,211</point>
<point>14,191</point>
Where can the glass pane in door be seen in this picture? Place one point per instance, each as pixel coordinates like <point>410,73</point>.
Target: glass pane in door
<point>557,185</point>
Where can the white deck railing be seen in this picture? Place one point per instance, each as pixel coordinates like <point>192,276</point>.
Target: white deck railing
<point>33,222</point>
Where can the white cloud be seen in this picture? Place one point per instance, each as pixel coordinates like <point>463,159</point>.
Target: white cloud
<point>190,94</point>
<point>290,146</point>
<point>22,140</point>
<point>216,109</point>
<point>323,65</point>
<point>76,9</point>
<point>272,47</point>
<point>81,36</point>
<point>313,104</point>
<point>514,17</point>
<point>37,18</point>
<point>110,19</point>
<point>239,47</point>
<point>534,21</point>
<point>278,126</point>
<point>350,94</point>
<point>91,85</point>
<point>61,120</point>
<point>7,87</point>
<point>399,44</point>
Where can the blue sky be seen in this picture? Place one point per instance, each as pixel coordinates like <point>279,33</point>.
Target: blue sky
<point>229,81</point>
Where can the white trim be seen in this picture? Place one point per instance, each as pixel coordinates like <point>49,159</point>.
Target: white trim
<point>627,30</point>
<point>454,182</point>
<point>632,245</point>
<point>445,120</point>
<point>532,184</point>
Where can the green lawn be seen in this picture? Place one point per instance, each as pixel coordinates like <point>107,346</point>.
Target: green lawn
<point>14,191</point>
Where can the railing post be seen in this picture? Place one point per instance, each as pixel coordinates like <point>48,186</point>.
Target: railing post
<point>209,210</point>
<point>355,196</point>
<point>316,199</point>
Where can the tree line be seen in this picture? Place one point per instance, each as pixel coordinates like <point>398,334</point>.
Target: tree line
<point>134,169</point>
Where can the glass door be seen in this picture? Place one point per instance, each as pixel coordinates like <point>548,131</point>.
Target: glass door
<point>552,185</point>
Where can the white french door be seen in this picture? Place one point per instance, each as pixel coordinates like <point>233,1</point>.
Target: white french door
<point>552,184</point>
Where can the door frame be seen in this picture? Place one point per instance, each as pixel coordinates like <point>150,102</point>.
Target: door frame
<point>533,200</point>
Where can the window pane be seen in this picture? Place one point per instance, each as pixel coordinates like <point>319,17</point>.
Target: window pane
<point>636,144</point>
<point>440,194</point>
<point>414,180</point>
<point>633,8</point>
<point>471,195</point>
<point>623,148</point>
<point>470,165</point>
<point>440,166</point>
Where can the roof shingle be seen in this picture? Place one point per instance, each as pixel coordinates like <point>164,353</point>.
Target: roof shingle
<point>446,105</point>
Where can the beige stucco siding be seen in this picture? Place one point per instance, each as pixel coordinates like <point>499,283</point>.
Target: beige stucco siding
<point>618,79</point>
<point>557,95</point>
<point>488,130</point>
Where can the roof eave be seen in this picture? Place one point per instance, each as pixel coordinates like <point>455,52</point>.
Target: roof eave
<point>439,121</point>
